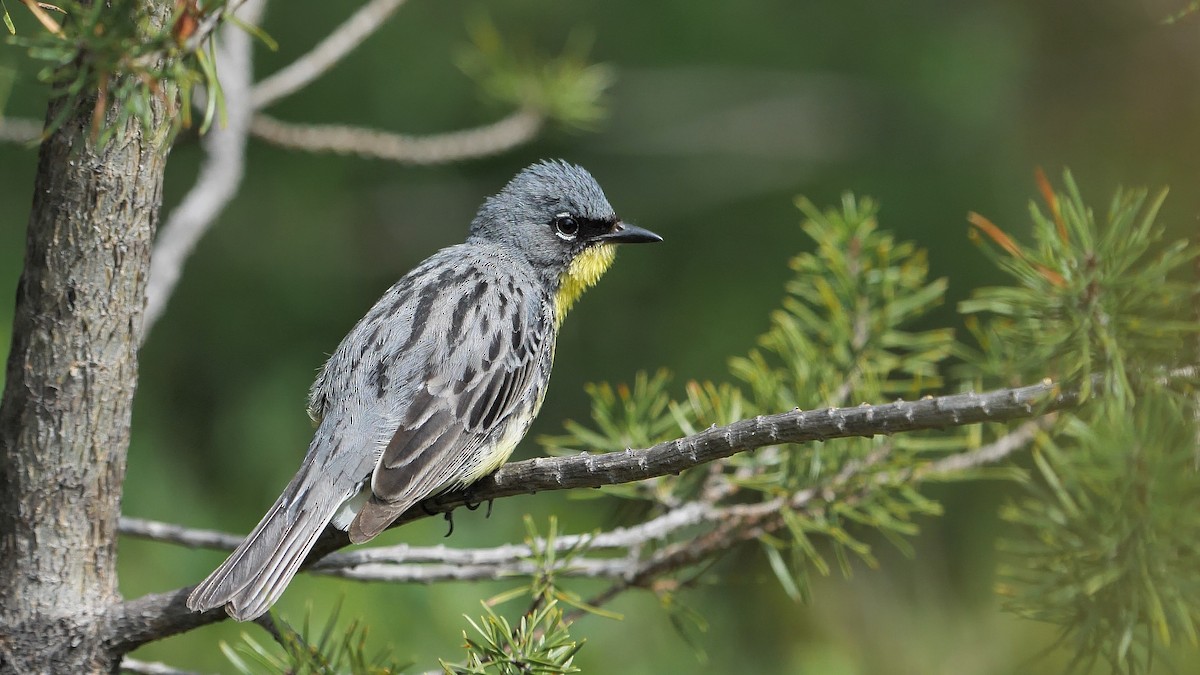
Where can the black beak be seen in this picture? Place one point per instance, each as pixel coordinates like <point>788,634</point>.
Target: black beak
<point>624,233</point>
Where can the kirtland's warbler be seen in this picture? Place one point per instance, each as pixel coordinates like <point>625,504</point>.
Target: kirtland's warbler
<point>436,385</point>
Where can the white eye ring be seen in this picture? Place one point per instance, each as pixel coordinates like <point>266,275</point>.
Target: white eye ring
<point>565,226</point>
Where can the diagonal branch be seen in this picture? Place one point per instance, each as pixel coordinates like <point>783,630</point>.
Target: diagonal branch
<point>991,453</point>
<point>350,34</point>
<point>220,175</point>
<point>613,468</point>
<point>156,616</point>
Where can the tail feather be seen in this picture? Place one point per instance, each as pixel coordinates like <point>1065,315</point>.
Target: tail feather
<point>265,588</point>
<point>258,571</point>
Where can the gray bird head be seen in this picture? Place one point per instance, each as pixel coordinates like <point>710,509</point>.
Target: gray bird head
<point>553,212</point>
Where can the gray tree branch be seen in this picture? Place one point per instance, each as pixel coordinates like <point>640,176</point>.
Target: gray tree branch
<point>406,563</point>
<point>490,139</point>
<point>129,665</point>
<point>220,174</point>
<point>159,615</point>
<point>340,42</point>
<point>174,534</point>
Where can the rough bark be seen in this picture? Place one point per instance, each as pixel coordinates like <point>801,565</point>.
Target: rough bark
<point>72,372</point>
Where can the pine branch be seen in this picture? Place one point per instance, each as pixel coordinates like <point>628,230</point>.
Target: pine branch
<point>592,471</point>
<point>403,563</point>
<point>394,564</point>
<point>156,616</point>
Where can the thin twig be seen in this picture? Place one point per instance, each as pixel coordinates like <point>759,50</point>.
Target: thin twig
<point>43,17</point>
<point>656,529</point>
<point>592,568</point>
<point>350,34</point>
<point>19,130</point>
<point>988,454</point>
<point>211,20</point>
<point>490,139</point>
<point>129,665</point>
<point>175,534</point>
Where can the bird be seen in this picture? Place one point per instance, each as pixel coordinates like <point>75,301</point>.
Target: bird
<point>437,384</point>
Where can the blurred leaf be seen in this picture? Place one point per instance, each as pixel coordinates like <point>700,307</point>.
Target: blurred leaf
<point>335,651</point>
<point>1189,9</point>
<point>539,643</point>
<point>1113,530</point>
<point>783,573</point>
<point>689,624</point>
<point>566,88</point>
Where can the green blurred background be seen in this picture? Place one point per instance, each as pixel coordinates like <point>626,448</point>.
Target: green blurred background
<point>721,114</point>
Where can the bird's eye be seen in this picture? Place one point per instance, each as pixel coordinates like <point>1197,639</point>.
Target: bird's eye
<point>566,227</point>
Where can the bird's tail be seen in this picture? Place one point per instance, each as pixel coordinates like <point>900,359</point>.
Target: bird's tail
<point>257,572</point>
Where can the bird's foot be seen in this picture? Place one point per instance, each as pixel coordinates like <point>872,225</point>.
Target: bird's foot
<point>472,506</point>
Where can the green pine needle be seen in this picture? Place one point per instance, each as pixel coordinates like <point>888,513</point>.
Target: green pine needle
<point>566,88</point>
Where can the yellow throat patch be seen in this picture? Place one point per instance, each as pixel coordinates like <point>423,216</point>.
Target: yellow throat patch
<point>583,273</point>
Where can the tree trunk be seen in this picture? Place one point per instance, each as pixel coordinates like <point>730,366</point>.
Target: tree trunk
<point>72,372</point>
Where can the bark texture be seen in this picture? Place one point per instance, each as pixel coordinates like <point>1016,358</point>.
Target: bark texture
<point>72,372</point>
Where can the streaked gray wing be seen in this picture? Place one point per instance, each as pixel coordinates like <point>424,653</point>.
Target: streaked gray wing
<point>487,352</point>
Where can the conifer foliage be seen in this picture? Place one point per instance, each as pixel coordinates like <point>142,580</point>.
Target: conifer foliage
<point>1106,537</point>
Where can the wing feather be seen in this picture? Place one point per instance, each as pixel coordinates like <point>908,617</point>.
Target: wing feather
<point>480,376</point>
